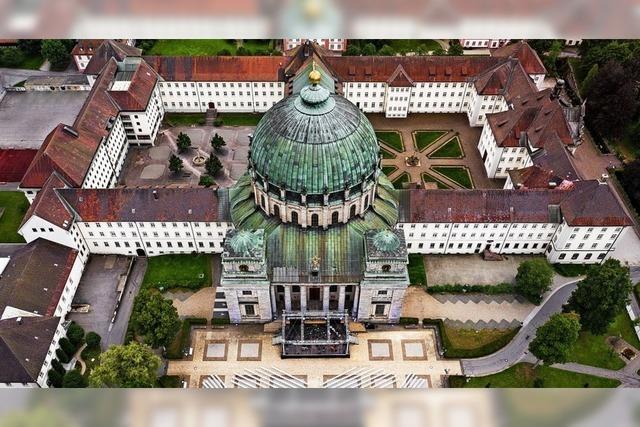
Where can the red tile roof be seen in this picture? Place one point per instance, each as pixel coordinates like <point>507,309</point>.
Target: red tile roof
<point>107,50</point>
<point>48,206</point>
<point>507,79</point>
<point>219,68</point>
<point>141,204</point>
<point>86,46</point>
<point>526,55</point>
<point>535,177</point>
<point>71,155</point>
<point>137,96</point>
<point>35,277</point>
<point>593,204</point>
<point>14,164</point>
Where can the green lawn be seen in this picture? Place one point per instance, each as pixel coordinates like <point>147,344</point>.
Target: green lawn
<point>571,270</point>
<point>427,177</point>
<point>458,174</point>
<point>32,62</point>
<point>386,154</point>
<point>593,349</point>
<point>523,375</point>
<point>391,138</point>
<point>449,150</point>
<point>203,47</point>
<point>184,119</point>
<point>15,205</point>
<point>401,179</point>
<point>417,274</point>
<point>178,271</point>
<point>388,170</point>
<point>240,119</point>
<point>410,45</point>
<point>466,343</point>
<point>424,138</point>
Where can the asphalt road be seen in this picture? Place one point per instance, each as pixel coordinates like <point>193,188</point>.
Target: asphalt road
<point>517,350</point>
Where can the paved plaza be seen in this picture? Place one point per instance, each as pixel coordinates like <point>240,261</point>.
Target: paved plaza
<point>389,356</point>
<point>148,166</point>
<point>454,125</point>
<point>472,269</point>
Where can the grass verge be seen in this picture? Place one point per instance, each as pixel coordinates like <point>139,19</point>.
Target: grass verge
<point>15,205</point>
<point>424,138</point>
<point>457,174</point>
<point>240,119</point>
<point>417,273</point>
<point>391,138</point>
<point>525,375</point>
<point>475,343</point>
<point>388,170</point>
<point>401,179</point>
<point>387,154</point>
<point>203,47</point>
<point>184,119</point>
<point>178,271</point>
<point>449,150</point>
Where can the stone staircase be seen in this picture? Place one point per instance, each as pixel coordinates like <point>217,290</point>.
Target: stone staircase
<point>210,116</point>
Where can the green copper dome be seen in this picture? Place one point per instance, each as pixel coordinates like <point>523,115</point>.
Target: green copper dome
<point>314,142</point>
<point>386,241</point>
<point>245,243</point>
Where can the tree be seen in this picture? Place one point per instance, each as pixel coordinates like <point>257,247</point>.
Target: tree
<point>455,49</point>
<point>75,333</point>
<point>225,52</point>
<point>184,142</point>
<point>601,296</point>
<point>55,378</point>
<point>353,50</point>
<point>213,166</point>
<point>56,52</point>
<point>439,51</point>
<point>11,57</point>
<point>67,347</point>
<point>369,49</point>
<point>93,340</point>
<point>534,279</point>
<point>55,364</point>
<point>30,46</point>
<point>155,318</point>
<point>588,80</point>
<point>62,356</point>
<point>613,100</point>
<point>175,164</point>
<point>74,379</point>
<point>217,142</point>
<point>555,338</point>
<point>126,366</point>
<point>386,50</point>
<point>550,58</point>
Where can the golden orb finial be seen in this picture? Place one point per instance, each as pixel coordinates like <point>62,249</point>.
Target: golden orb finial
<point>314,75</point>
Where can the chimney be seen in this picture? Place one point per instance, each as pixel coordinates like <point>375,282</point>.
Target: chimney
<point>552,184</point>
<point>71,131</point>
<point>155,194</point>
<point>19,320</point>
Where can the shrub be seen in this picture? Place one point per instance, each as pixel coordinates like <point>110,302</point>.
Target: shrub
<point>55,364</point>
<point>220,321</point>
<point>538,383</point>
<point>62,356</point>
<point>75,333</point>
<point>206,181</point>
<point>74,379</point>
<point>55,378</point>
<point>67,347</point>
<point>409,320</point>
<point>534,279</point>
<point>218,122</point>
<point>93,340</point>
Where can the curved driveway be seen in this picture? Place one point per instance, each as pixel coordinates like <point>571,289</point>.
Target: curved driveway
<point>517,350</point>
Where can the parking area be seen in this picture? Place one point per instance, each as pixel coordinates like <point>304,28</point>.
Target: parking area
<point>26,118</point>
<point>471,269</point>
<point>454,125</point>
<point>99,290</point>
<point>148,166</point>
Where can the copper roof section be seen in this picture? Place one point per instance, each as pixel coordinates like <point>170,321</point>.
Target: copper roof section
<point>219,68</point>
<point>526,55</point>
<point>145,204</point>
<point>35,277</point>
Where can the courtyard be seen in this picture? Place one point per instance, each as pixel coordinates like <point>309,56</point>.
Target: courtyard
<point>444,147</point>
<point>232,355</point>
<point>149,166</point>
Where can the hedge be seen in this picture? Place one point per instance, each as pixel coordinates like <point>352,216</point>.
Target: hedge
<point>62,356</point>
<point>93,340</point>
<point>220,321</point>
<point>409,320</point>
<point>55,378</point>
<point>75,333</point>
<point>67,347</point>
<point>500,288</point>
<point>55,364</point>
<point>458,353</point>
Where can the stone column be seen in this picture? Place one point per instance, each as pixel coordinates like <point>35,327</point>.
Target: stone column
<point>325,298</point>
<point>341,295</point>
<point>303,298</point>
<point>287,298</point>
<point>356,301</point>
<point>274,306</point>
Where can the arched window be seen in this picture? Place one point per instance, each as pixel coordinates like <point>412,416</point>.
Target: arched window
<point>352,211</point>
<point>294,217</point>
<point>366,202</point>
<point>314,220</point>
<point>276,210</point>
<point>386,268</point>
<point>244,268</point>
<point>335,217</point>
<point>262,202</point>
